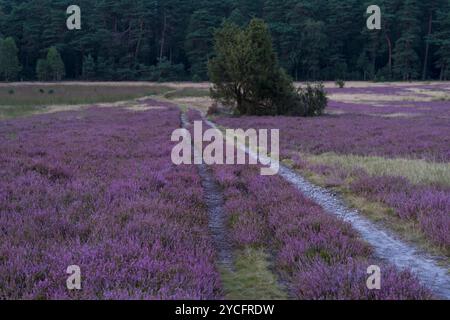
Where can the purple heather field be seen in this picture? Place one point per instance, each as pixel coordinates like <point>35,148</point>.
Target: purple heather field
<point>96,187</point>
<point>316,254</point>
<point>407,129</point>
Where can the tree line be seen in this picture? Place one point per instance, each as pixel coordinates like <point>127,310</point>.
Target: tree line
<point>167,40</point>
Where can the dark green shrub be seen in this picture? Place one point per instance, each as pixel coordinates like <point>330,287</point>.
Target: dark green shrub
<point>340,83</point>
<point>314,99</point>
<point>308,102</point>
<point>11,91</point>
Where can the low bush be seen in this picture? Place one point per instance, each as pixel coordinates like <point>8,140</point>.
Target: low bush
<point>340,83</point>
<point>312,101</point>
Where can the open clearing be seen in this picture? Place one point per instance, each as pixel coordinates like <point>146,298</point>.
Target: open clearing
<point>86,179</point>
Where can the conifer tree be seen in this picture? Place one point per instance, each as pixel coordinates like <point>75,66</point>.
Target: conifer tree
<point>55,64</point>
<point>9,61</point>
<point>406,59</point>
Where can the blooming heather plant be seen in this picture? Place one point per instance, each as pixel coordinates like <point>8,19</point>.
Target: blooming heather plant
<point>418,138</point>
<point>96,188</point>
<point>430,206</point>
<point>358,132</point>
<point>347,281</point>
<point>270,213</point>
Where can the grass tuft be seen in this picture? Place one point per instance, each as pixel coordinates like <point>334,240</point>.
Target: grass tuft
<point>252,278</point>
<point>416,171</point>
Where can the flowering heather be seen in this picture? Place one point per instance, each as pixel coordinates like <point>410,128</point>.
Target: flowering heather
<point>96,188</point>
<point>347,281</point>
<point>430,206</point>
<point>417,138</point>
<point>268,212</point>
<point>433,109</point>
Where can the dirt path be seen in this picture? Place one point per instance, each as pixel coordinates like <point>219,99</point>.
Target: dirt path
<point>217,220</point>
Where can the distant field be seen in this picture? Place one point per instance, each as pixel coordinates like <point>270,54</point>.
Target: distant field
<point>17,100</point>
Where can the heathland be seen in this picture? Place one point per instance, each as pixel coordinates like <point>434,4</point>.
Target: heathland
<point>86,179</point>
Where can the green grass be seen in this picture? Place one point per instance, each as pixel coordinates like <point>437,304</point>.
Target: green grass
<point>18,111</point>
<point>22,100</point>
<point>187,93</point>
<point>416,171</point>
<point>252,278</point>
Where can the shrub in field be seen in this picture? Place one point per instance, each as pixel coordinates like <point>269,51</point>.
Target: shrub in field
<point>246,74</point>
<point>340,83</point>
<point>312,101</point>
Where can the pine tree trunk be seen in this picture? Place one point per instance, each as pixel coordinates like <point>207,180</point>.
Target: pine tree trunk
<point>163,38</point>
<point>138,46</point>
<point>389,43</point>
<point>427,47</point>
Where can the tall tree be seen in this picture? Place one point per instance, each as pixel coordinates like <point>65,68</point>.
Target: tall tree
<point>406,59</point>
<point>55,64</point>
<point>128,37</point>
<point>441,39</point>
<point>430,7</point>
<point>43,70</point>
<point>88,68</point>
<point>9,62</point>
<point>199,42</point>
<point>245,71</point>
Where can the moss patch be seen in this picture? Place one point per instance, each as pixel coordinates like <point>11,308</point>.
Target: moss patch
<point>252,278</point>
